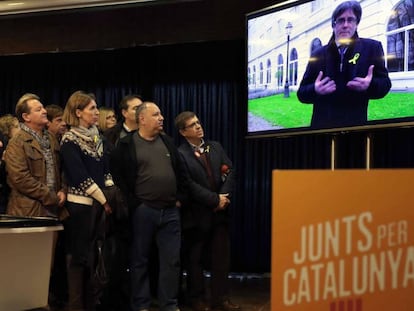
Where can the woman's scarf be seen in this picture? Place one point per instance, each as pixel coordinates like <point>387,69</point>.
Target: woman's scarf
<point>90,136</point>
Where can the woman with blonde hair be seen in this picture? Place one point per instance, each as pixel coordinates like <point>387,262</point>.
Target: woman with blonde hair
<point>87,173</point>
<point>107,118</point>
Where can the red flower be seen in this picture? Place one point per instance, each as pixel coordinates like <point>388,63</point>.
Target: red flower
<point>225,169</point>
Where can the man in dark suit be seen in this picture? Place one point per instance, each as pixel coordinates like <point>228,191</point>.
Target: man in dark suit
<point>345,74</point>
<point>128,125</point>
<point>205,215</point>
<point>117,292</point>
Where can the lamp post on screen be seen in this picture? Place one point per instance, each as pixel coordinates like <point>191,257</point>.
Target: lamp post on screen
<point>288,29</point>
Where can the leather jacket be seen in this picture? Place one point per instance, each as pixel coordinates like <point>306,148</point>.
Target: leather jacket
<point>26,176</point>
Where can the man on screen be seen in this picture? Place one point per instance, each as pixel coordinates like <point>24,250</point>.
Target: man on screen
<point>343,75</point>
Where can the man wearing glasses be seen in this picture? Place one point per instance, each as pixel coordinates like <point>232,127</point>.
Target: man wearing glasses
<point>205,216</point>
<point>345,74</point>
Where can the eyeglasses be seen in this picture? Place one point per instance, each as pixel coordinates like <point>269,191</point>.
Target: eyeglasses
<point>110,117</point>
<point>341,21</point>
<point>192,125</point>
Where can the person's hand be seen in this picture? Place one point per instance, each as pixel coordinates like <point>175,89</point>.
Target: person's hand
<point>177,204</point>
<point>324,86</point>
<point>361,84</point>
<point>62,198</point>
<point>3,155</point>
<point>107,208</point>
<point>223,202</point>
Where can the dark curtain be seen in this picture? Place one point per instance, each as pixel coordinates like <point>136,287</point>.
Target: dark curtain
<point>208,78</point>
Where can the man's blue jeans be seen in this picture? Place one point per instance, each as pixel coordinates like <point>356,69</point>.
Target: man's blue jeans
<point>163,225</point>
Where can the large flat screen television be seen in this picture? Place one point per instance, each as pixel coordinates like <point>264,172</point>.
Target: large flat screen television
<point>284,39</point>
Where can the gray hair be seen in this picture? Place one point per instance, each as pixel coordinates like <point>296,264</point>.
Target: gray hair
<point>345,6</point>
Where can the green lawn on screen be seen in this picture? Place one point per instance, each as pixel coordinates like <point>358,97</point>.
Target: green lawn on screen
<point>394,105</point>
<point>291,113</point>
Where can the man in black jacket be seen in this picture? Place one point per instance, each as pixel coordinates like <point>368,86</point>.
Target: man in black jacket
<point>117,291</point>
<point>129,125</point>
<point>147,167</point>
<point>345,74</point>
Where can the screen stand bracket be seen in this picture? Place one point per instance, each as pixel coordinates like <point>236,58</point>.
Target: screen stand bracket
<point>333,152</point>
<point>368,151</point>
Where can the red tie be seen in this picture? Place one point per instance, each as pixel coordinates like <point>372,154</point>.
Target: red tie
<point>206,163</point>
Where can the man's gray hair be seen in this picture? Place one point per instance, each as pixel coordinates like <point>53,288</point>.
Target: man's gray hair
<point>345,6</point>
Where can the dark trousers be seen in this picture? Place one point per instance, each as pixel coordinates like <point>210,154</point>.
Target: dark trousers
<point>115,296</point>
<point>163,225</point>
<point>83,230</point>
<point>207,250</point>
<point>58,289</point>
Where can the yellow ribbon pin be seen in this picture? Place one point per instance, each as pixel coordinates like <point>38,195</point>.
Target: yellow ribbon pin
<point>354,59</point>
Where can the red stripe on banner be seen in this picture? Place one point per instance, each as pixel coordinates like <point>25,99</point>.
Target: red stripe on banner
<point>359,304</point>
<point>350,305</point>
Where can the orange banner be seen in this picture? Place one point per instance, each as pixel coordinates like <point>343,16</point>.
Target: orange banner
<point>343,240</point>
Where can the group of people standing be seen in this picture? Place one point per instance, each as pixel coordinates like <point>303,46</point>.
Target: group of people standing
<point>173,199</point>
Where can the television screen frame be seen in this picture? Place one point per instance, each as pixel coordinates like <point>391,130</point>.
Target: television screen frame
<point>270,49</point>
